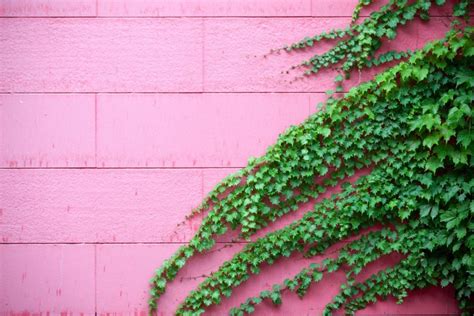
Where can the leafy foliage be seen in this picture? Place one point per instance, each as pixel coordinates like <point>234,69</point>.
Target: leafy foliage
<point>411,125</point>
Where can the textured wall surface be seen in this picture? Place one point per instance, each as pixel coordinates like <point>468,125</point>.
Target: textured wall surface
<point>116,118</point>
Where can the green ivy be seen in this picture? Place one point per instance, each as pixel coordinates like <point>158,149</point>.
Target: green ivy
<point>410,125</point>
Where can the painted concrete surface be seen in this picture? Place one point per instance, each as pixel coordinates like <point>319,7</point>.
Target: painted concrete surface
<point>39,130</point>
<point>215,54</point>
<point>117,117</point>
<point>188,8</point>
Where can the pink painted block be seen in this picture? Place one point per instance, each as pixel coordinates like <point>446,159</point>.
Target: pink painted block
<point>427,33</point>
<point>107,205</point>
<point>47,130</point>
<point>429,301</point>
<point>241,62</point>
<point>315,100</point>
<point>97,205</point>
<point>48,279</point>
<point>162,8</point>
<point>100,55</point>
<point>335,8</point>
<point>331,8</point>
<point>47,8</point>
<point>211,179</point>
<point>124,271</point>
<point>433,301</point>
<point>122,284</point>
<point>123,274</point>
<point>192,130</point>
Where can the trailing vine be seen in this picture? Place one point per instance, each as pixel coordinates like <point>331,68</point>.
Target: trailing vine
<point>411,126</point>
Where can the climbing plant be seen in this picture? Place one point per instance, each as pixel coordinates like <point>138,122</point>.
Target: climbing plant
<point>411,126</point>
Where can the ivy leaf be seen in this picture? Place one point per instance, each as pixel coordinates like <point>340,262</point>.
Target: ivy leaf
<point>443,151</point>
<point>369,113</point>
<point>454,116</point>
<point>391,34</point>
<point>465,138</point>
<point>420,73</point>
<point>431,140</point>
<point>465,76</point>
<point>317,276</point>
<point>446,132</point>
<point>469,51</point>
<point>404,213</point>
<point>425,210</point>
<point>325,131</point>
<point>458,157</point>
<point>275,297</point>
<point>461,232</point>
<point>434,211</point>
<point>323,170</point>
<point>339,78</point>
<point>430,121</point>
<point>433,164</point>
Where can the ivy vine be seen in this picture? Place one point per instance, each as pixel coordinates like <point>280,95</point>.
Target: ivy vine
<point>411,125</point>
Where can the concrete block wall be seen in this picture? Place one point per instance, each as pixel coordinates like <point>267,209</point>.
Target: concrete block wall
<point>117,117</point>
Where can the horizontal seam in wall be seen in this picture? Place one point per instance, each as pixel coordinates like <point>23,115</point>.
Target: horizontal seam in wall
<point>130,243</point>
<point>118,168</point>
<point>198,17</point>
<point>171,92</point>
<point>111,243</point>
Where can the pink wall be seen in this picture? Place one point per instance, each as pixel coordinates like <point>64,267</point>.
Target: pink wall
<point>116,118</point>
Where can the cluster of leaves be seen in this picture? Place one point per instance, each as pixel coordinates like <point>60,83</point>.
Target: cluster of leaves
<point>359,42</point>
<point>411,125</point>
<point>357,255</point>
